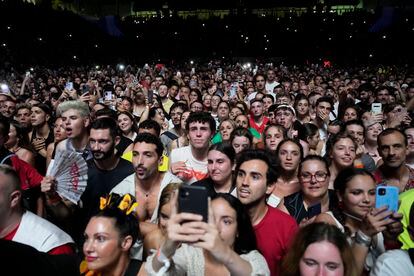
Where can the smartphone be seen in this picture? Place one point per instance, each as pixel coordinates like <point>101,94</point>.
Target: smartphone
<point>376,108</point>
<point>69,86</point>
<point>314,210</point>
<point>108,95</point>
<point>233,89</point>
<point>193,199</point>
<point>387,196</point>
<point>85,89</point>
<point>150,96</point>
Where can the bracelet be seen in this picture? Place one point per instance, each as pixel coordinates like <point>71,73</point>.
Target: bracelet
<point>164,260</point>
<point>362,239</point>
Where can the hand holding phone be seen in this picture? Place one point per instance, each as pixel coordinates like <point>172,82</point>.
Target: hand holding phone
<point>314,210</point>
<point>193,199</point>
<point>69,86</point>
<point>376,108</point>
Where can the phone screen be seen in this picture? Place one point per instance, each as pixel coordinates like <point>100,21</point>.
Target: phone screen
<point>376,108</point>
<point>69,85</point>
<point>108,95</point>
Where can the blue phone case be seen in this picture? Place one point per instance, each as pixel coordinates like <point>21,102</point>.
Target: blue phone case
<point>389,198</point>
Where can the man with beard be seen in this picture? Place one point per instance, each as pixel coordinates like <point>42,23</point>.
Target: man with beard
<point>147,182</point>
<point>105,171</point>
<point>393,148</point>
<point>177,109</point>
<point>165,100</point>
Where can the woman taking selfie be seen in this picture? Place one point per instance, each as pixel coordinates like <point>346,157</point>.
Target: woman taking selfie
<point>358,219</point>
<point>154,239</point>
<point>109,237</point>
<point>225,245</point>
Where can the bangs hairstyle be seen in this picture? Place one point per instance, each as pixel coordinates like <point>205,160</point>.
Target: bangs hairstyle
<point>201,117</point>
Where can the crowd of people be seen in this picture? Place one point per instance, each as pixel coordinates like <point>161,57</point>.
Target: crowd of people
<point>290,157</point>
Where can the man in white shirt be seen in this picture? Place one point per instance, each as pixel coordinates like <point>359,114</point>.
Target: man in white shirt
<point>271,82</point>
<point>190,163</point>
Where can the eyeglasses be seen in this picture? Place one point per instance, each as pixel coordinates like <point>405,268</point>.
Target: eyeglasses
<point>319,176</point>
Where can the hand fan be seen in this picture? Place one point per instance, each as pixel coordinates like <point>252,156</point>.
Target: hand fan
<point>71,173</point>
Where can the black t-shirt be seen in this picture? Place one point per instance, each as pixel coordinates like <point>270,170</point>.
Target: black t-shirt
<point>123,144</point>
<point>101,182</point>
<point>209,184</point>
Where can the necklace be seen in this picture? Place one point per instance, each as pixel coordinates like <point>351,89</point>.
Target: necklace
<point>15,150</point>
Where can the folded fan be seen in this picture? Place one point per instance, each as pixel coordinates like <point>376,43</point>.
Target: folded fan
<point>71,173</point>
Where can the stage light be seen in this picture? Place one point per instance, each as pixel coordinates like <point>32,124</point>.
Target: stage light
<point>75,57</point>
<point>97,67</point>
<point>121,67</point>
<point>31,69</point>
<point>39,38</point>
<point>384,36</point>
<point>191,62</point>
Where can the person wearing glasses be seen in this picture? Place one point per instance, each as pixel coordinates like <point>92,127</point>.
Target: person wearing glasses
<point>314,180</point>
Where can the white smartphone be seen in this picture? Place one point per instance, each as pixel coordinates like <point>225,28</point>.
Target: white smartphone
<point>69,86</point>
<point>108,95</point>
<point>376,108</point>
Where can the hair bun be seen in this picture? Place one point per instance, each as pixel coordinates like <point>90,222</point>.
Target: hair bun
<point>126,203</point>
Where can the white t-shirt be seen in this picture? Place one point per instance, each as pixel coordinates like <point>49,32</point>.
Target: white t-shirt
<point>197,170</point>
<point>270,86</point>
<point>393,262</point>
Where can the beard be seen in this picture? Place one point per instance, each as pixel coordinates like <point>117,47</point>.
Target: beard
<point>99,155</point>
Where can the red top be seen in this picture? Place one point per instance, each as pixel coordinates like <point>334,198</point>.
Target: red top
<point>260,128</point>
<point>274,234</point>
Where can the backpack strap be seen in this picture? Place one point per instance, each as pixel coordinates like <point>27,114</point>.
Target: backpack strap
<point>170,135</point>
